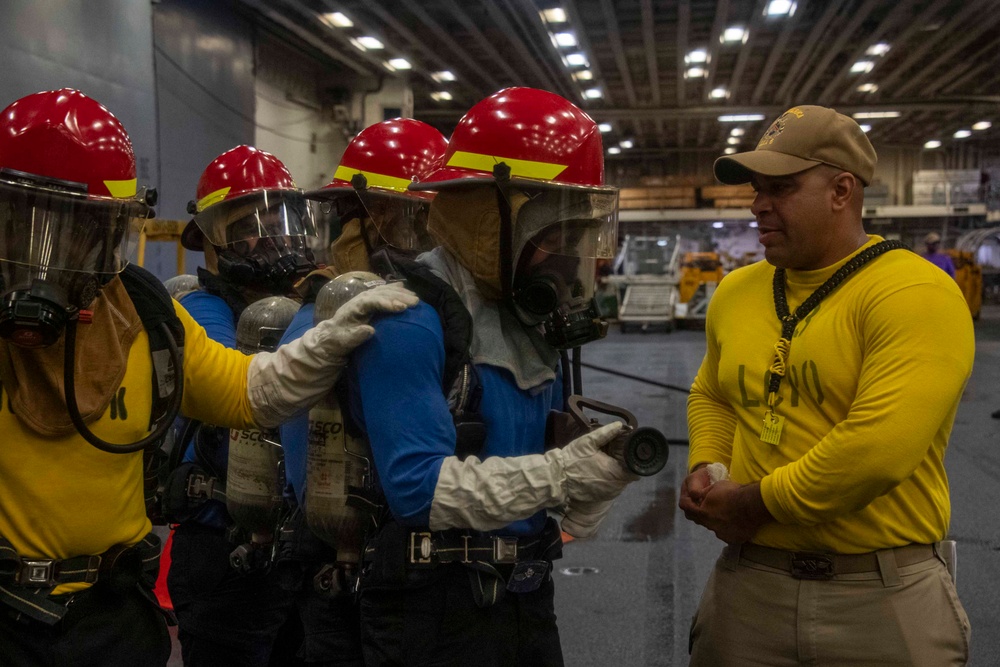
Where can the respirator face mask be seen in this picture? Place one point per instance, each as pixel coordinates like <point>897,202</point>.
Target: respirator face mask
<point>58,248</point>
<point>261,239</point>
<point>558,236</point>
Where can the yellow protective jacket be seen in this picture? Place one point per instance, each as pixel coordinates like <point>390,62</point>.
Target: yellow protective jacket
<point>873,381</point>
<point>62,497</point>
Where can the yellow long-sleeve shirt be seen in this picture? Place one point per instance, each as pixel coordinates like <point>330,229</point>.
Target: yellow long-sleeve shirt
<point>874,378</point>
<point>62,497</point>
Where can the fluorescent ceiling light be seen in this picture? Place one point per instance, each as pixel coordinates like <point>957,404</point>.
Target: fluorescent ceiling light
<point>867,115</point>
<point>862,66</point>
<point>554,15</point>
<point>583,75</point>
<point>696,56</point>
<point>695,73</point>
<point>719,94</point>
<point>982,125</point>
<point>400,63</point>
<point>442,76</point>
<point>736,33</point>
<point>564,39</point>
<point>933,143</point>
<point>662,243</point>
<point>357,44</point>
<point>337,19</point>
<point>604,127</point>
<point>879,49</point>
<point>614,150</point>
<point>865,128</point>
<point>576,59</point>
<point>729,150</point>
<point>741,118</point>
<point>593,93</point>
<point>441,96</point>
<point>754,224</point>
<point>370,43</point>
<point>737,131</point>
<point>718,225</point>
<point>627,143</point>
<point>962,134</point>
<point>732,141</point>
<point>868,88</point>
<point>780,8</point>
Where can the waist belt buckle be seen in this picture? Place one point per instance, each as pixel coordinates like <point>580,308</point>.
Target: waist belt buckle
<point>37,573</point>
<point>504,550</point>
<point>807,565</point>
<point>200,486</point>
<point>421,548</point>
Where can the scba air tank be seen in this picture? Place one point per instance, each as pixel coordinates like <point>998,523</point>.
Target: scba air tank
<point>336,461</point>
<point>254,479</point>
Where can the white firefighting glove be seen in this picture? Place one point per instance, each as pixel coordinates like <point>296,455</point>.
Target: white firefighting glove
<point>486,495</point>
<point>582,519</point>
<point>283,383</point>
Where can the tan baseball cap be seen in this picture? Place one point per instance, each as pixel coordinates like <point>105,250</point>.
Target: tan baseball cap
<point>800,138</point>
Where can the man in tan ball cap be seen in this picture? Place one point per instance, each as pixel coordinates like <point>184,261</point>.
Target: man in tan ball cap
<point>819,421</point>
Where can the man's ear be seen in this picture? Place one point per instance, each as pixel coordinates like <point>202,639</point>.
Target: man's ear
<point>846,187</point>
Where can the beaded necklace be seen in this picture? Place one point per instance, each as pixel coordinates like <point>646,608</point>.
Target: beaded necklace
<point>773,422</point>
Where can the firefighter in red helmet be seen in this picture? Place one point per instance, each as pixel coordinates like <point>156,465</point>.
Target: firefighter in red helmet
<point>454,398</point>
<point>374,220</point>
<point>96,361</point>
<point>253,224</point>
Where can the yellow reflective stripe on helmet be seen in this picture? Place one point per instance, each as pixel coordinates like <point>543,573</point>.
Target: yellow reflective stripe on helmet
<point>524,168</point>
<point>121,189</point>
<point>213,198</point>
<point>374,180</point>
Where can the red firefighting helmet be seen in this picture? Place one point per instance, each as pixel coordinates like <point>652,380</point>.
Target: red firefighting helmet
<point>247,193</point>
<point>390,155</point>
<point>65,135</point>
<point>542,137</point>
<point>67,187</point>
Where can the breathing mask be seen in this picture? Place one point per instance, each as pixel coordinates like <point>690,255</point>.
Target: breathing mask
<point>558,234</point>
<point>58,248</point>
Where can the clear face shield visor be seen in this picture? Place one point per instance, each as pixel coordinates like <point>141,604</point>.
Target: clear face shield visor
<point>558,236</point>
<point>65,238</point>
<point>258,215</point>
<point>393,219</point>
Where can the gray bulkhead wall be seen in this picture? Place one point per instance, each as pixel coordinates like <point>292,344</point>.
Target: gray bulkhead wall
<point>204,59</point>
<point>101,48</point>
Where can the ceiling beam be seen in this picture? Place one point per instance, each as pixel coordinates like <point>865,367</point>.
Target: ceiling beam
<point>895,16</point>
<point>486,79</point>
<point>744,56</point>
<point>918,53</point>
<point>456,11</point>
<point>314,41</point>
<point>962,40</point>
<point>843,35</point>
<point>500,20</point>
<point>799,62</point>
<point>683,26</point>
<point>650,47</point>
<point>584,42</point>
<point>429,55</point>
<point>772,58</point>
<point>987,57</point>
<point>714,42</point>
<point>536,38</point>
<point>615,39</point>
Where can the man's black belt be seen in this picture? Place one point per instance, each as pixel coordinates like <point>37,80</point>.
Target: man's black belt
<point>426,548</point>
<point>26,583</point>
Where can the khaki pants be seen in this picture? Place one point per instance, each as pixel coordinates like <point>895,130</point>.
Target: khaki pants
<point>752,614</point>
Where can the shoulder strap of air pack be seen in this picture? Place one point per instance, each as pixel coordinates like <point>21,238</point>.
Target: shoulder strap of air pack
<point>155,307</point>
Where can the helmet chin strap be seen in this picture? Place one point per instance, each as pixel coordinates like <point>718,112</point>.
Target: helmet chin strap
<point>501,176</point>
